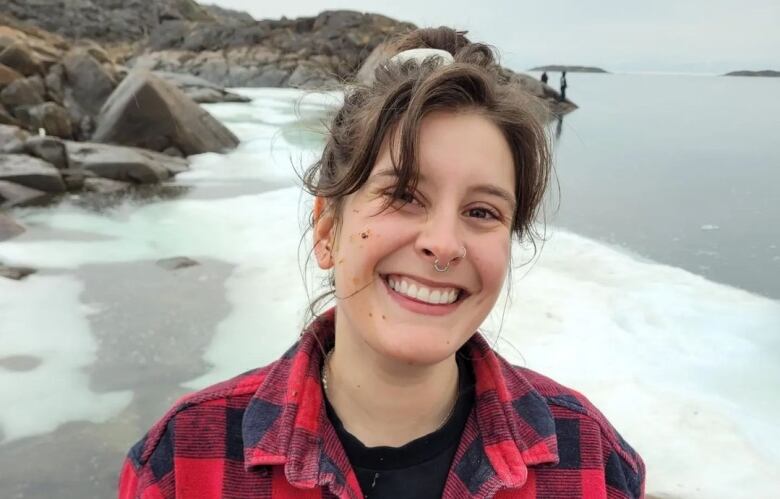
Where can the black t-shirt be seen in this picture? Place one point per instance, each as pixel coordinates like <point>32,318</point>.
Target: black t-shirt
<point>419,469</point>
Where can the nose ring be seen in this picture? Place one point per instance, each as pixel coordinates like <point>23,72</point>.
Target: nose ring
<point>447,267</point>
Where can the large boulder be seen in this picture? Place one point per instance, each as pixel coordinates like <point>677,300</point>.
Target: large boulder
<point>145,111</point>
<point>31,172</point>
<point>90,84</point>
<point>13,194</point>
<point>20,57</point>
<point>8,75</point>
<point>19,93</point>
<point>125,164</point>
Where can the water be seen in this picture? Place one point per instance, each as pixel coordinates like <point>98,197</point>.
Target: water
<point>97,344</point>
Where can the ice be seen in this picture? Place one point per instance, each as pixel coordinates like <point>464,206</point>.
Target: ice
<point>43,319</point>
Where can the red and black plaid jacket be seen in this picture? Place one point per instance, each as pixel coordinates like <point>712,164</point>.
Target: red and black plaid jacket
<point>265,434</point>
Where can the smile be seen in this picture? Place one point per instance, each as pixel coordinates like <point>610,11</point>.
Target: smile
<point>425,297</point>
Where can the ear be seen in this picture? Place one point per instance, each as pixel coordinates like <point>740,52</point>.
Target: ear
<point>323,231</point>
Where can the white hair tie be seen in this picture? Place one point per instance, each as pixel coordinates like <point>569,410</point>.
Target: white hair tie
<point>420,55</point>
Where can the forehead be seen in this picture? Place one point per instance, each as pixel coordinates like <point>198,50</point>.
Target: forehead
<point>459,149</point>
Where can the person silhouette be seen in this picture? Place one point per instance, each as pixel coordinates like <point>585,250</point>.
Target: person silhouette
<point>544,77</point>
<point>563,85</point>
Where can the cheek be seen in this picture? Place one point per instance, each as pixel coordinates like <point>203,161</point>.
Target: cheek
<point>359,251</point>
<point>492,264</point>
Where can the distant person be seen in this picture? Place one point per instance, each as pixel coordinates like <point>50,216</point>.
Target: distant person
<point>563,86</point>
<point>544,78</point>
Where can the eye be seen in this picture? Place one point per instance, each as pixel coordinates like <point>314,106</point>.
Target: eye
<point>405,197</point>
<point>483,213</point>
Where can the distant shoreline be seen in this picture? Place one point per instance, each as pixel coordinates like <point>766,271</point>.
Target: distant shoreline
<point>570,69</point>
<point>764,73</point>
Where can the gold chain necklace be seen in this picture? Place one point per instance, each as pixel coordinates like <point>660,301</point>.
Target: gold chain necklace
<point>324,377</point>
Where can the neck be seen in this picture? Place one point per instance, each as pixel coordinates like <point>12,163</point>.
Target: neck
<point>385,402</point>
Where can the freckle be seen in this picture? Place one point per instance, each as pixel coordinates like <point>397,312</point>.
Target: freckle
<point>384,318</point>
<point>355,211</point>
<point>358,386</point>
<point>341,261</point>
<point>448,342</point>
<point>370,314</point>
<point>354,280</point>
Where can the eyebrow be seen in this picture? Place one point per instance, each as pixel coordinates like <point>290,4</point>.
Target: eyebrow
<point>488,189</point>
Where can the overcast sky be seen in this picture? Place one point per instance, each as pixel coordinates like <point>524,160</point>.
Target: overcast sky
<point>709,36</point>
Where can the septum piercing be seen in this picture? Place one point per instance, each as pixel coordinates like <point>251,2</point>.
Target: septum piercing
<point>445,269</point>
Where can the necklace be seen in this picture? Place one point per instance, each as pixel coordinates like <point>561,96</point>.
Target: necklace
<point>324,378</point>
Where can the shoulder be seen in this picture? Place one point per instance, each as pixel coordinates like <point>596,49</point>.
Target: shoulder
<point>211,413</point>
<point>585,436</point>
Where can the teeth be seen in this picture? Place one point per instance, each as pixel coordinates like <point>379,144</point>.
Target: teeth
<point>419,292</point>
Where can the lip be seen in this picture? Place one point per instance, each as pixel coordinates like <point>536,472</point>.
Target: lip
<point>426,282</point>
<point>417,306</point>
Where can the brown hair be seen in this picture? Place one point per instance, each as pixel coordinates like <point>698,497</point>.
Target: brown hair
<point>393,106</point>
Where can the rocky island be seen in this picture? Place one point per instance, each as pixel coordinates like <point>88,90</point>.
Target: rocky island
<point>569,69</point>
<point>765,73</point>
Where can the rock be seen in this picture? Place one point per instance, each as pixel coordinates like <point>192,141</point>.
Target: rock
<point>8,75</point>
<point>198,89</point>
<point>229,16</point>
<point>20,363</point>
<point>177,262</point>
<point>49,116</point>
<point>19,57</point>
<point>105,185</point>
<point>54,83</point>
<point>309,76</point>
<point>74,178</point>
<point>31,172</point>
<point>6,118</point>
<point>12,139</point>
<point>16,273</point>
<point>147,112</point>
<point>126,164</point>
<point>8,226</point>
<point>770,73</point>
<point>12,194</point>
<point>89,83</point>
<point>172,151</point>
<point>49,149</point>
<point>24,92</point>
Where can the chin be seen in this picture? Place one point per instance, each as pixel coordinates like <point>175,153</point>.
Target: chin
<point>418,346</point>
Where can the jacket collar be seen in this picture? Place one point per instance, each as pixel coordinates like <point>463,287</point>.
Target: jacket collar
<point>286,424</point>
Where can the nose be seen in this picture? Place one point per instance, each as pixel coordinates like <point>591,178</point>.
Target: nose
<point>439,241</point>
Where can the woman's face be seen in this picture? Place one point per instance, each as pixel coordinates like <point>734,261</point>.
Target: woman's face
<point>464,199</point>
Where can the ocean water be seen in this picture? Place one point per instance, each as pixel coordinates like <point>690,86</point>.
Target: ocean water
<point>680,353</point>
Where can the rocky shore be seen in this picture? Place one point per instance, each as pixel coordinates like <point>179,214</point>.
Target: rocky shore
<point>100,97</point>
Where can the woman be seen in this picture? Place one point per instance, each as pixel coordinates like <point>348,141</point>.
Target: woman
<point>426,176</point>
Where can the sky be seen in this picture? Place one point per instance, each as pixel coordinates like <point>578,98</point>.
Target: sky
<point>685,36</point>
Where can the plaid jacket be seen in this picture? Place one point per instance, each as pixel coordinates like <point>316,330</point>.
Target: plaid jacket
<point>265,434</point>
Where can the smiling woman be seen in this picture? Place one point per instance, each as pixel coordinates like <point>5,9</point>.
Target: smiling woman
<point>426,176</point>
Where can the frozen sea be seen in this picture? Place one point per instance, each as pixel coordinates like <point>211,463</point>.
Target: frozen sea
<point>655,294</point>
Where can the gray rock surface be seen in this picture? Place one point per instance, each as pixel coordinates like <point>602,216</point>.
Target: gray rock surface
<point>147,112</point>
<point>19,93</point>
<point>126,164</point>
<point>12,194</point>
<point>198,89</point>
<point>49,149</point>
<point>177,262</point>
<point>31,172</point>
